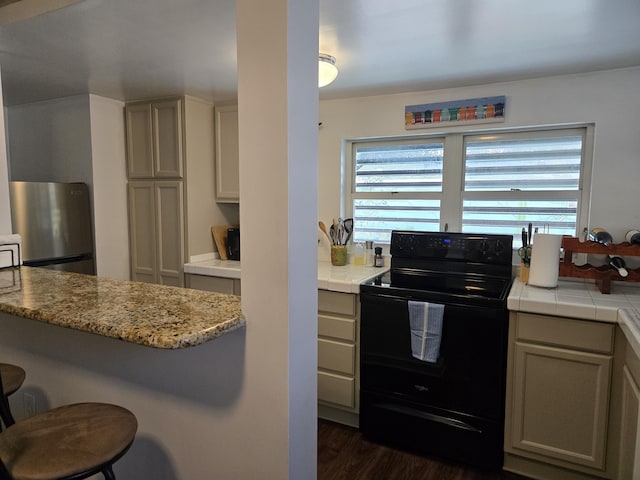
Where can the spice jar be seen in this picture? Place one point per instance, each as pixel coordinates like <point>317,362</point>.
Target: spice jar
<point>379,259</point>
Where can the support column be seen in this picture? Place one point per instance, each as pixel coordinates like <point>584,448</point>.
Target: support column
<point>278,121</point>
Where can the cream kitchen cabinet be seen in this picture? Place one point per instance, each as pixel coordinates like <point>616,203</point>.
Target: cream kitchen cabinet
<point>227,161</point>
<point>558,397</point>
<point>338,356</point>
<point>170,163</point>
<point>157,231</point>
<point>629,458</point>
<point>213,284</point>
<point>154,139</point>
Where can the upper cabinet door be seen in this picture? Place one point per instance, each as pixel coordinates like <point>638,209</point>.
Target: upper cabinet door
<point>154,139</point>
<point>139,141</point>
<point>167,134</point>
<point>227,160</point>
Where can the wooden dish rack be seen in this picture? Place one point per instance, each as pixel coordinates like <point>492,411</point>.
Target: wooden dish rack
<point>604,274</point>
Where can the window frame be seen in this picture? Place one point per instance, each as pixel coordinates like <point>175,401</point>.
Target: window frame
<point>453,194</point>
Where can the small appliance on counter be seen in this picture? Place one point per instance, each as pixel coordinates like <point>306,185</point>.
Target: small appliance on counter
<point>233,243</point>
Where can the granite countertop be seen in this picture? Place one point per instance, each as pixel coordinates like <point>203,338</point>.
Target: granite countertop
<point>346,279</point>
<point>581,299</point>
<point>147,314</point>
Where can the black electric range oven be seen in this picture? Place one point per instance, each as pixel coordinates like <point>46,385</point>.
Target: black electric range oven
<point>452,407</point>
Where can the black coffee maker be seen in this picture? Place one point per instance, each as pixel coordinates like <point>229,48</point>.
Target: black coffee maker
<point>233,243</point>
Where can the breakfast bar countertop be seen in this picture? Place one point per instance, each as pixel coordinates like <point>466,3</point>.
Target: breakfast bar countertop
<point>147,314</point>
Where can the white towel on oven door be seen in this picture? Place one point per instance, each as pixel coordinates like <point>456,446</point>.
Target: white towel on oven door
<point>9,250</point>
<point>426,321</point>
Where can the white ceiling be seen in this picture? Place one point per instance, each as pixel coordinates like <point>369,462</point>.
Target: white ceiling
<point>133,49</point>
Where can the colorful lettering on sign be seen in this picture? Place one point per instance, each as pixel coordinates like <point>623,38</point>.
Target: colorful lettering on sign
<point>408,118</point>
<point>489,111</point>
<point>471,113</point>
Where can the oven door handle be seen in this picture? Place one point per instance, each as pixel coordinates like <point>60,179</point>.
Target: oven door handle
<point>451,422</point>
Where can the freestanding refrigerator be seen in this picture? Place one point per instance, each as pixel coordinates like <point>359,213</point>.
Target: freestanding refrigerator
<point>54,221</point>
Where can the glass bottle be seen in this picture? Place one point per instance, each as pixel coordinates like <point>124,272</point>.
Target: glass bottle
<point>358,254</point>
<point>619,264</point>
<point>379,259</point>
<point>369,256</point>
<point>633,237</point>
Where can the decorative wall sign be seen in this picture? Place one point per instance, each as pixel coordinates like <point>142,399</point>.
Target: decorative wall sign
<point>456,112</point>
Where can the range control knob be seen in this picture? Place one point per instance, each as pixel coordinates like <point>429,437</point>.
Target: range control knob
<point>499,247</point>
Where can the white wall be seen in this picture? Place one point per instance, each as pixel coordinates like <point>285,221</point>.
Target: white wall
<point>78,139</point>
<point>5,211</point>
<point>610,99</point>
<point>50,141</point>
<point>109,187</point>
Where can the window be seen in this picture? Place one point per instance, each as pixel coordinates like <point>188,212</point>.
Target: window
<point>491,182</point>
<point>397,187</point>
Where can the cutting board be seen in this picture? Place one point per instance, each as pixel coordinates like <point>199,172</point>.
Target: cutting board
<point>219,233</point>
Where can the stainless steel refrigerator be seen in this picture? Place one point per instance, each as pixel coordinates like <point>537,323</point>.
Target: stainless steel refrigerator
<point>54,221</point>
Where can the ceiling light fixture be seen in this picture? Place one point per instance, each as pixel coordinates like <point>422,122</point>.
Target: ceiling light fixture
<point>327,70</point>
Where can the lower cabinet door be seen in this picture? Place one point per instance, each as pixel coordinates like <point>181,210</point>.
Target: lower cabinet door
<point>629,465</point>
<point>561,403</point>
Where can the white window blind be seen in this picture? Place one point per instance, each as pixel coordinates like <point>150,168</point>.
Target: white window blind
<point>498,182</point>
<point>539,170</point>
<point>387,176</point>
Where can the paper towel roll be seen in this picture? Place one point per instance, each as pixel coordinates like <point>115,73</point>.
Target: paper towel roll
<point>545,260</point>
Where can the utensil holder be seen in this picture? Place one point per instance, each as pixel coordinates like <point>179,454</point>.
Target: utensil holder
<point>524,273</point>
<point>338,255</point>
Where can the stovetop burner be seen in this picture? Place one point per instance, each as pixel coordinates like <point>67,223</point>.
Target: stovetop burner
<point>434,266</point>
<point>440,282</point>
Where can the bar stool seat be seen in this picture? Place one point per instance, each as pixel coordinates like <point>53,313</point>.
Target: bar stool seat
<point>12,378</point>
<point>69,442</point>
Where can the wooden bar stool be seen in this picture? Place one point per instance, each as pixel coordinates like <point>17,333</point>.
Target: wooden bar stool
<point>12,378</point>
<point>71,442</point>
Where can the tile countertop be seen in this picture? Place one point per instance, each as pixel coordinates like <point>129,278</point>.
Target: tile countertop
<point>582,299</point>
<point>147,314</point>
<point>346,279</point>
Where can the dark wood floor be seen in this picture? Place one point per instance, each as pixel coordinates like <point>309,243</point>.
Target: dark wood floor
<point>343,454</point>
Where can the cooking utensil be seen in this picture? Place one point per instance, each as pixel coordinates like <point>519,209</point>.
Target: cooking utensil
<point>348,227</point>
<point>323,227</point>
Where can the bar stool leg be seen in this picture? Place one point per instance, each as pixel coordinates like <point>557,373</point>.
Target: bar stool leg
<point>108,473</point>
<point>5,412</point>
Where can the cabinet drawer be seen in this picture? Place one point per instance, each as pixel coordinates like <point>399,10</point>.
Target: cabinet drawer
<point>336,389</point>
<point>566,332</point>
<point>336,302</point>
<point>211,284</point>
<point>336,356</point>
<point>342,328</point>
